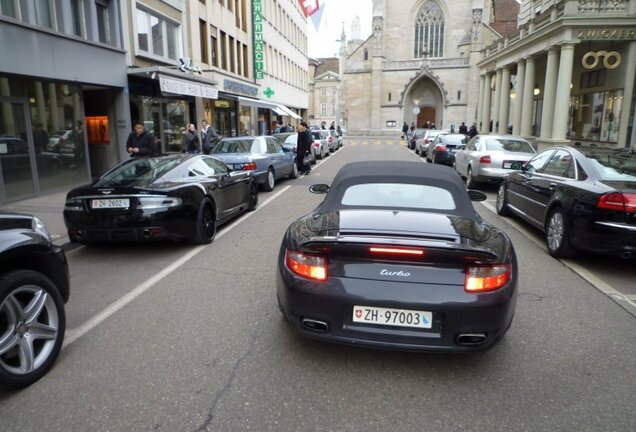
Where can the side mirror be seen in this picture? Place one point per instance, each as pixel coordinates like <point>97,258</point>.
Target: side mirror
<point>524,166</point>
<point>476,195</point>
<point>319,188</point>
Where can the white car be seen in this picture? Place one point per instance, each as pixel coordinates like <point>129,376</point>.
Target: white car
<point>487,158</point>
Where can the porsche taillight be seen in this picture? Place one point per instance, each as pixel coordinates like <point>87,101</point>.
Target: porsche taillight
<point>395,251</point>
<point>487,278</point>
<point>305,265</point>
<point>619,201</point>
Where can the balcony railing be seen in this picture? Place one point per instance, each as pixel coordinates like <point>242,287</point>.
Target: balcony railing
<point>603,6</point>
<point>418,64</point>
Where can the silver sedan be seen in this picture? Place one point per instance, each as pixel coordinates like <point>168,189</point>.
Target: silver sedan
<point>487,158</point>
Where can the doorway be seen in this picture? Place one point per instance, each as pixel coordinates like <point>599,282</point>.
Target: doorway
<point>427,114</point>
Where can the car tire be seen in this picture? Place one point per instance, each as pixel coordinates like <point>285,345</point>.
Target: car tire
<point>18,290</point>
<point>205,223</point>
<point>470,180</point>
<point>313,156</point>
<point>294,172</point>
<point>253,199</point>
<point>270,181</point>
<point>557,235</point>
<point>321,155</point>
<point>501,204</point>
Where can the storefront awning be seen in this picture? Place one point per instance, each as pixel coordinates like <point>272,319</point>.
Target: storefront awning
<point>174,82</point>
<point>289,112</point>
<point>277,108</point>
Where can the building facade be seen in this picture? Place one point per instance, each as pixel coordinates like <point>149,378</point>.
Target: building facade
<point>63,101</point>
<point>565,76</point>
<point>419,65</point>
<point>324,92</point>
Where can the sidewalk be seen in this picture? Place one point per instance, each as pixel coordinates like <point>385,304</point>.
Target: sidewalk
<point>47,207</point>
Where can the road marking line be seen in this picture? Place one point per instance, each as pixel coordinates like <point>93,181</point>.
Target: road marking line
<point>111,309</point>
<point>591,278</point>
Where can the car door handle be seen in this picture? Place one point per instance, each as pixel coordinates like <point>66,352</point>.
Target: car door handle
<point>552,185</point>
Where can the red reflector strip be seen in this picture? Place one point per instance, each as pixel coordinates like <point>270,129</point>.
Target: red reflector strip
<point>487,278</point>
<point>308,266</point>
<point>396,251</point>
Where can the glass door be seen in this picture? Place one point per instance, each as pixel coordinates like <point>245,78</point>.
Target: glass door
<point>17,156</point>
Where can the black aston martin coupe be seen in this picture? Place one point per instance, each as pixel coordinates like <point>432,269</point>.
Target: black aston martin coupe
<point>396,257</point>
<point>178,197</point>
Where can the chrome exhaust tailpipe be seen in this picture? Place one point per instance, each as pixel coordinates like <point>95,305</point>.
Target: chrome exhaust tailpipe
<point>315,325</point>
<point>626,255</point>
<point>471,339</point>
<point>147,233</point>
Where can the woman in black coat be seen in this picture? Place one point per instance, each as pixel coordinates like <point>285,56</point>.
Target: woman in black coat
<point>191,143</point>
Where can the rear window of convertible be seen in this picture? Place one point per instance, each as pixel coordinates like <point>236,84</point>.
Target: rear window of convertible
<point>398,195</point>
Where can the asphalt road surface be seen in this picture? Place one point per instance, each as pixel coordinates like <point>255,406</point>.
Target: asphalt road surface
<point>167,337</point>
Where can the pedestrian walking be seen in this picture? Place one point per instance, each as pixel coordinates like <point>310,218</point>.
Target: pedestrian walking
<point>140,142</point>
<point>405,130</point>
<point>472,131</point>
<point>332,126</point>
<point>463,129</point>
<point>303,148</point>
<point>191,142</point>
<point>208,137</point>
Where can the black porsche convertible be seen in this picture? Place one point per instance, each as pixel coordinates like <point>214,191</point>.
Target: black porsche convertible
<point>177,197</point>
<point>396,257</point>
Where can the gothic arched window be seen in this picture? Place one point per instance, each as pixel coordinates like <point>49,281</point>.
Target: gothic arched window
<point>429,31</point>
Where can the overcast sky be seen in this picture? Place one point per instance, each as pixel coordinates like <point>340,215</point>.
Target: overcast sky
<point>323,43</point>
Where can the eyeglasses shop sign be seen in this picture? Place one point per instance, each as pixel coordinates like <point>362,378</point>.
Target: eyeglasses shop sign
<point>184,87</point>
<point>257,15</point>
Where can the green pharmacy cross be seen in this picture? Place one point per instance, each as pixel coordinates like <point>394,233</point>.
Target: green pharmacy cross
<point>269,92</point>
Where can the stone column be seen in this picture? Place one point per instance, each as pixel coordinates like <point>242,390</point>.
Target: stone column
<point>521,74</point>
<point>528,98</point>
<point>7,109</point>
<point>495,114</point>
<point>504,101</point>
<point>485,113</point>
<point>549,95</point>
<point>40,103</point>
<point>480,100</point>
<point>628,94</point>
<point>56,116</point>
<point>562,102</point>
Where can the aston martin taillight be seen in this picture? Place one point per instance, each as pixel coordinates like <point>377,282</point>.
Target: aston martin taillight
<point>487,278</point>
<point>308,266</point>
<point>619,201</point>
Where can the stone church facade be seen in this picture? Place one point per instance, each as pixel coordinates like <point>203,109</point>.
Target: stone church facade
<point>419,65</point>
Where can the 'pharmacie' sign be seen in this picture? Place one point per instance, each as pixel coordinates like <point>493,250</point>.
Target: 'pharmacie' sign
<point>259,56</point>
<point>607,34</point>
<point>239,88</point>
<point>185,87</point>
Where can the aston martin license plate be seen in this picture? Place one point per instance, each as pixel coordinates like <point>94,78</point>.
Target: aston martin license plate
<point>111,203</point>
<point>393,317</point>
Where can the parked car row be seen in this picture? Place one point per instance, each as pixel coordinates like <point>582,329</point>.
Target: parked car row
<point>582,198</point>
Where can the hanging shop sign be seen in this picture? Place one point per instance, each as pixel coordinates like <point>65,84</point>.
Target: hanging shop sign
<point>236,87</point>
<point>185,87</point>
<point>611,59</point>
<point>259,56</point>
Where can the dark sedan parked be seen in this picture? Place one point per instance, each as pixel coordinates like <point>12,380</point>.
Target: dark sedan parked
<point>34,285</point>
<point>399,261</point>
<point>178,197</point>
<point>582,198</point>
<point>442,150</point>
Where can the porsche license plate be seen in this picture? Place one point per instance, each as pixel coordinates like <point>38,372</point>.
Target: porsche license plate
<point>393,317</point>
<point>112,203</point>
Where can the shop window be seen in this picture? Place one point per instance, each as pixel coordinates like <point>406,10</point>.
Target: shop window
<point>595,116</point>
<point>203,37</point>
<point>77,18</point>
<point>223,51</point>
<point>232,55</point>
<point>213,46</point>
<point>103,22</point>
<point>246,69</point>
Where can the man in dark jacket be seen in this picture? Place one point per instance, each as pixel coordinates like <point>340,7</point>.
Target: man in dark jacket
<point>463,129</point>
<point>405,130</point>
<point>140,143</point>
<point>303,147</point>
<point>209,137</point>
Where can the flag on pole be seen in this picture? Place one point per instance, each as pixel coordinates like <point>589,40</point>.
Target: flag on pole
<point>317,16</point>
<point>309,7</point>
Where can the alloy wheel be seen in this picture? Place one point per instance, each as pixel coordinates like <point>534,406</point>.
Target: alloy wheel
<point>208,224</point>
<point>555,231</point>
<point>31,322</point>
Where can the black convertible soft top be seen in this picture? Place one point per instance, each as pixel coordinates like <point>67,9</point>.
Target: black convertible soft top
<point>417,173</point>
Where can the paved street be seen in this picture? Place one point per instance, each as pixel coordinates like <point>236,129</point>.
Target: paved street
<point>171,337</point>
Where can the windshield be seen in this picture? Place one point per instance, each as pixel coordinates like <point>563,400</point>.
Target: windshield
<point>454,139</point>
<point>232,146</point>
<point>615,166</point>
<point>515,146</point>
<point>139,169</point>
<point>318,135</point>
